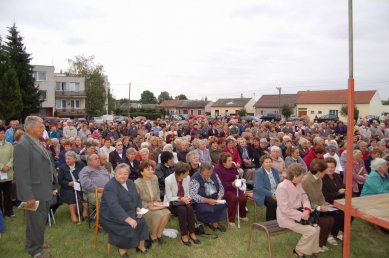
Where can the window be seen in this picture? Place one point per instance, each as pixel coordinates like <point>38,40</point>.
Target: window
<point>74,104</point>
<point>191,112</point>
<point>60,86</point>
<point>312,112</point>
<point>334,112</point>
<point>226,112</point>
<point>185,111</point>
<point>43,94</point>
<point>60,103</point>
<point>73,86</point>
<point>39,76</point>
<point>198,112</point>
<point>216,112</point>
<point>261,112</point>
<point>319,112</point>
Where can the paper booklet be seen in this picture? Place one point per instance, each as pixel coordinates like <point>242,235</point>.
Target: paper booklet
<point>24,207</point>
<point>221,201</point>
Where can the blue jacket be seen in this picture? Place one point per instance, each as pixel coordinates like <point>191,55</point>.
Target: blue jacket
<point>262,185</point>
<point>375,184</point>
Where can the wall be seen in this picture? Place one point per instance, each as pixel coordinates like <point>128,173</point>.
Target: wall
<point>48,85</point>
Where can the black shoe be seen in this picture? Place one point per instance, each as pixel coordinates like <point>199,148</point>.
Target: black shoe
<point>140,251</point>
<point>297,255</point>
<point>221,228</point>
<point>160,241</point>
<point>10,214</point>
<point>187,243</point>
<point>125,255</point>
<point>195,241</point>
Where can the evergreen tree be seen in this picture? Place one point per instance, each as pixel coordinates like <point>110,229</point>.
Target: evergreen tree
<point>11,104</point>
<point>182,97</point>
<point>147,97</point>
<point>20,61</point>
<point>94,83</point>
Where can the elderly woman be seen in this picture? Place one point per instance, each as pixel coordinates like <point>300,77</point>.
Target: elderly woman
<point>290,198</point>
<point>68,175</point>
<point>193,159</point>
<point>168,147</point>
<point>214,150</point>
<point>207,190</point>
<point>246,154</point>
<point>312,185</point>
<point>132,162</point>
<point>116,156</point>
<point>230,147</point>
<point>278,162</point>
<point>119,213</point>
<point>293,156</point>
<point>148,189</point>
<point>228,175</point>
<point>266,181</point>
<point>359,173</point>
<point>164,169</point>
<point>332,153</point>
<point>201,148</point>
<point>378,181</point>
<point>177,191</point>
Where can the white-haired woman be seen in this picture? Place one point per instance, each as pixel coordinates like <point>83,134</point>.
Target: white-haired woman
<point>378,181</point>
<point>168,147</point>
<point>359,173</point>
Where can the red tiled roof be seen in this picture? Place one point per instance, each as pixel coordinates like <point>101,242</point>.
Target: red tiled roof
<point>271,101</point>
<point>333,97</point>
<point>170,103</point>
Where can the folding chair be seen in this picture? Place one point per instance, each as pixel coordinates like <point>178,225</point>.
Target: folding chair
<point>97,225</point>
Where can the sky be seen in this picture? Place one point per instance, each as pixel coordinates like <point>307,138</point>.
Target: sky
<point>210,48</point>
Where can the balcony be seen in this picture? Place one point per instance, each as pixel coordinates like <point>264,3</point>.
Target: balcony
<point>71,112</point>
<point>72,94</point>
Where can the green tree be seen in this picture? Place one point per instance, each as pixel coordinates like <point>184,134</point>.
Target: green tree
<point>242,112</point>
<point>182,97</point>
<point>11,104</point>
<point>147,97</point>
<point>286,111</point>
<point>20,61</point>
<point>344,111</point>
<point>385,102</point>
<point>94,82</point>
<point>164,95</point>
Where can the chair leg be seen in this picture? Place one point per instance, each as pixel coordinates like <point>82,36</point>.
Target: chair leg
<point>108,248</point>
<point>269,242</point>
<point>250,238</point>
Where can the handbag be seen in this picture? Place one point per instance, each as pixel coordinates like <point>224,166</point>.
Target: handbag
<point>178,203</point>
<point>313,219</point>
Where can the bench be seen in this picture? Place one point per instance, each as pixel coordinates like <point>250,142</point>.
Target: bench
<point>270,228</point>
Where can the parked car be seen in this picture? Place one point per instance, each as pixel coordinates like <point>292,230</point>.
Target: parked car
<point>251,118</point>
<point>119,119</point>
<point>271,117</point>
<point>326,118</point>
<point>294,118</point>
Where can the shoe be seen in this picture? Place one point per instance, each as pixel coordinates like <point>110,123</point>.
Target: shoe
<point>160,241</point>
<point>297,255</point>
<point>340,236</point>
<point>244,219</point>
<point>45,246</point>
<point>331,240</point>
<point>140,251</point>
<point>221,228</point>
<point>11,214</point>
<point>125,255</point>
<point>187,243</point>
<point>42,255</point>
<point>323,249</point>
<point>232,225</point>
<point>195,241</point>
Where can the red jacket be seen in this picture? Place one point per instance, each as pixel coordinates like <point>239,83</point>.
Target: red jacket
<point>235,155</point>
<point>311,155</point>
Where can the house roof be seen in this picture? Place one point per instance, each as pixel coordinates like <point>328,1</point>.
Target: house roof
<point>193,104</point>
<point>170,103</point>
<point>234,102</point>
<point>272,101</point>
<point>333,97</point>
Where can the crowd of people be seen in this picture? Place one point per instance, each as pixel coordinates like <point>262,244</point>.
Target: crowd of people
<point>193,169</point>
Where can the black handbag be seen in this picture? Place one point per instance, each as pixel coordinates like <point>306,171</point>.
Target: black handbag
<point>313,219</point>
<point>178,203</point>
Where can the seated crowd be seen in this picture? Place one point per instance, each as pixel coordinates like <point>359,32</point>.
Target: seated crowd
<point>192,169</point>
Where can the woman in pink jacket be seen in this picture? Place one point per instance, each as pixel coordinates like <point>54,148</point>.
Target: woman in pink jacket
<point>291,197</point>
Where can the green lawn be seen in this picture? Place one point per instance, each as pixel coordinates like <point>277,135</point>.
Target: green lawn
<point>69,240</point>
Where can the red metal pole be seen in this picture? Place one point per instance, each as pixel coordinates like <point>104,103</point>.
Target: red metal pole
<point>350,136</point>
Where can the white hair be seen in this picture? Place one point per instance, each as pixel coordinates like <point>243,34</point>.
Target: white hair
<point>31,121</point>
<point>377,163</point>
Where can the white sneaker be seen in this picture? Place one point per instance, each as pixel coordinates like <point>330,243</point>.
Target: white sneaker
<point>323,249</point>
<point>332,240</point>
<point>340,236</point>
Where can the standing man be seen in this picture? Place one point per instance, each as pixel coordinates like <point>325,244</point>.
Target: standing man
<point>34,172</point>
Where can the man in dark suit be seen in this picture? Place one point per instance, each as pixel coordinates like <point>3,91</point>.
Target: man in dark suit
<point>34,173</point>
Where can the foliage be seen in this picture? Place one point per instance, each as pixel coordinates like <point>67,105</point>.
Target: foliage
<point>182,97</point>
<point>94,83</point>
<point>147,97</point>
<point>344,110</point>
<point>19,60</point>
<point>242,112</point>
<point>164,95</point>
<point>286,111</point>
<point>385,102</point>
<point>11,103</point>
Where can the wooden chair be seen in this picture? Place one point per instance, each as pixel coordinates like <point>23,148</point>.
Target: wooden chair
<point>97,224</point>
<point>270,228</point>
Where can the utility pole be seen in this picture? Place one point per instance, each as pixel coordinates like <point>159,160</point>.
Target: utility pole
<point>129,100</point>
<point>279,99</point>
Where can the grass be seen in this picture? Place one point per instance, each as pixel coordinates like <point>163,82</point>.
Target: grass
<point>69,240</point>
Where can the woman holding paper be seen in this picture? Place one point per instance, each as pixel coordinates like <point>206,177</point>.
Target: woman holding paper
<point>228,173</point>
<point>177,194</point>
<point>120,213</point>
<point>67,178</point>
<point>148,189</point>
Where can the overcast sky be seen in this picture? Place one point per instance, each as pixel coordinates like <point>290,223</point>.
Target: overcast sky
<point>210,48</point>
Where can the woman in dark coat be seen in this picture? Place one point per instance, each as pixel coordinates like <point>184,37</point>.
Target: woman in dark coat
<point>68,174</point>
<point>130,160</point>
<point>119,213</point>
